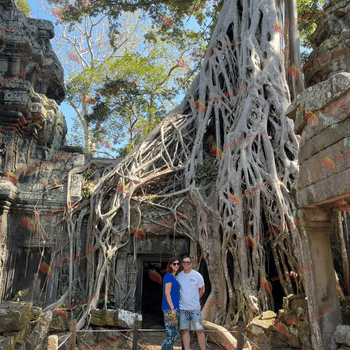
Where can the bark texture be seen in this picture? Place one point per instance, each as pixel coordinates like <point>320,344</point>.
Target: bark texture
<point>219,170</point>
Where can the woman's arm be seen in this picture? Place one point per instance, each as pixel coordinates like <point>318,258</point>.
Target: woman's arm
<point>167,294</point>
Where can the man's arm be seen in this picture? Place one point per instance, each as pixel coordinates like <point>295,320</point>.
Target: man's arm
<point>201,291</point>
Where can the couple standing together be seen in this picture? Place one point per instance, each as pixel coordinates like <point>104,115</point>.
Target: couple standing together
<point>181,294</point>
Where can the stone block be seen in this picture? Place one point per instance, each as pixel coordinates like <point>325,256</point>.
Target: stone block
<point>117,318</point>
<point>58,324</point>
<point>316,98</point>
<point>268,315</point>
<point>316,143</point>
<point>52,342</point>
<point>299,307</point>
<point>342,335</point>
<point>335,187</point>
<point>15,316</point>
<point>7,343</point>
<point>34,341</point>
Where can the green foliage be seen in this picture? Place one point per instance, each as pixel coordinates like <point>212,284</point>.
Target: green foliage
<point>87,188</point>
<point>136,88</point>
<point>312,12</point>
<point>22,5</point>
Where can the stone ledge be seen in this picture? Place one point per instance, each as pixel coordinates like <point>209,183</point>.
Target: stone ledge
<point>14,316</point>
<point>317,97</point>
<point>342,335</point>
<point>329,190</point>
<point>119,318</point>
<point>325,164</point>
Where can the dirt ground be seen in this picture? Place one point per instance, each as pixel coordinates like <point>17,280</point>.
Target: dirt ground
<point>154,340</point>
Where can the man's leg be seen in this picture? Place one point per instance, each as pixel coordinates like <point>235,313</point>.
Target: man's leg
<point>185,320</point>
<point>201,340</point>
<point>186,338</point>
<point>198,326</point>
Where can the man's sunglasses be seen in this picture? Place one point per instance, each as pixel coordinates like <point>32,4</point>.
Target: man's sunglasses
<point>176,264</point>
<point>187,262</point>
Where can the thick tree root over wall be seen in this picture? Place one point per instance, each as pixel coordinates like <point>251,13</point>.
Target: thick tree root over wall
<point>231,124</point>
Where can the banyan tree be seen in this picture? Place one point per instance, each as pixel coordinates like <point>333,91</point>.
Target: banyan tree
<point>220,169</point>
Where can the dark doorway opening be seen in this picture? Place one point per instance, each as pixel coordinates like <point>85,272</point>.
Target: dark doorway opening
<point>32,273</point>
<point>152,294</point>
<point>277,290</point>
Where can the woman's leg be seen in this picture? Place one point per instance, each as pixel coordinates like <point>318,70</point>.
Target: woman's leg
<point>172,331</point>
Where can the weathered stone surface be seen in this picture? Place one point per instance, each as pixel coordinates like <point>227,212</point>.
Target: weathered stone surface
<point>118,318</point>
<point>58,324</point>
<point>287,301</point>
<point>267,315</point>
<point>342,335</point>
<point>330,43</point>
<point>52,342</point>
<point>321,115</point>
<point>37,311</point>
<point>89,339</point>
<point>257,328</point>
<point>7,343</point>
<point>322,98</point>
<point>35,339</point>
<point>14,316</point>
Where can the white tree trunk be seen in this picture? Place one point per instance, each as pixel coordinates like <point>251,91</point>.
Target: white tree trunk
<point>227,223</point>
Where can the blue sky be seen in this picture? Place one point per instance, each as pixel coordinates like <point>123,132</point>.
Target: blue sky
<point>66,109</point>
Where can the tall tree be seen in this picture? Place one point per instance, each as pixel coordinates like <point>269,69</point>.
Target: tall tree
<point>107,71</point>
<point>231,129</point>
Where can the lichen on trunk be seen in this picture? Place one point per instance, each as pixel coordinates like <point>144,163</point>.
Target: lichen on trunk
<point>231,126</point>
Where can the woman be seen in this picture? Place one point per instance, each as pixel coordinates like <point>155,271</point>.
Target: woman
<point>171,303</point>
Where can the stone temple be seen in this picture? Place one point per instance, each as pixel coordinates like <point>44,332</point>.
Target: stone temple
<point>37,170</point>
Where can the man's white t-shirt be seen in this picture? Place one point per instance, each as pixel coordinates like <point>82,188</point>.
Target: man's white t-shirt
<point>189,293</point>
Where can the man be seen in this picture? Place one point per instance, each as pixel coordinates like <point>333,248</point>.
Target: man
<point>191,289</point>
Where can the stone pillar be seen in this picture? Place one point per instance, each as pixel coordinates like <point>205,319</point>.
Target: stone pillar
<point>317,224</point>
<point>8,194</point>
<point>52,342</point>
<point>121,275</point>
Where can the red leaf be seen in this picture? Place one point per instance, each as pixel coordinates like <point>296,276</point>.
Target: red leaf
<point>155,276</point>
<point>73,57</point>
<point>250,242</point>
<point>27,222</point>
<point>234,199</point>
<point>310,117</point>
<point>343,206</point>
<point>265,285</point>
<point>327,163</point>
<point>200,107</point>
<point>280,327</point>
<point>139,234</point>
<point>216,152</point>
<point>61,312</point>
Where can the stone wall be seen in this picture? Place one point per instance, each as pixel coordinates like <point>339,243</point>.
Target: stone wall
<point>322,121</point>
<point>330,43</point>
<point>34,172</point>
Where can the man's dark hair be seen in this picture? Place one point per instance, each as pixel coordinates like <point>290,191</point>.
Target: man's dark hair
<point>185,257</point>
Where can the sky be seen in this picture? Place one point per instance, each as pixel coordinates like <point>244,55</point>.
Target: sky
<point>37,12</point>
<point>67,110</point>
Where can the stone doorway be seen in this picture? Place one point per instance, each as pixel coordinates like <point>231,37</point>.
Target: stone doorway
<point>150,291</point>
<point>31,273</point>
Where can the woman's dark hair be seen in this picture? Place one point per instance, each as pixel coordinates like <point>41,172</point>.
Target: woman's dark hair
<point>168,267</point>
